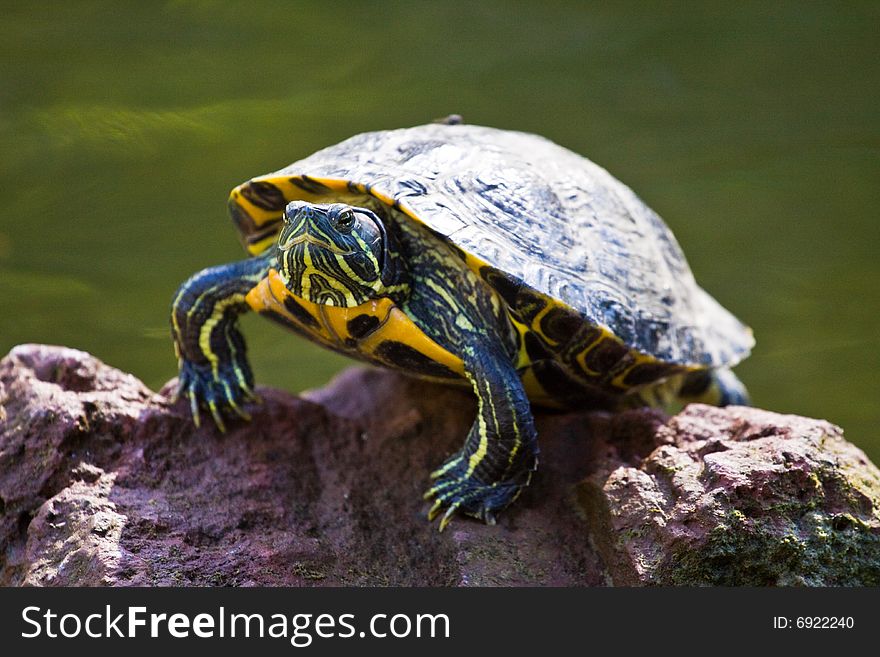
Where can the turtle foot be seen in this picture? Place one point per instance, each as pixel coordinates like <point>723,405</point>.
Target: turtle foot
<point>223,391</point>
<point>454,490</point>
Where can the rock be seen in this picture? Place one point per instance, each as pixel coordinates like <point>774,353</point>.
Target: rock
<point>103,482</point>
<point>739,496</point>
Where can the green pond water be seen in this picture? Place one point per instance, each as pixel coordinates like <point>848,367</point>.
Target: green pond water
<point>752,128</point>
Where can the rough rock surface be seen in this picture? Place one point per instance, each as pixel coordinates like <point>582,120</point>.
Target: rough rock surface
<point>738,496</point>
<point>103,482</point>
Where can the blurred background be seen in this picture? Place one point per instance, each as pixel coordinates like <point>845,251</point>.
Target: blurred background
<point>752,128</point>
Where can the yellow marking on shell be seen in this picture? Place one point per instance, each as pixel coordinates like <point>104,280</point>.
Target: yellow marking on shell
<point>581,358</point>
<point>289,191</point>
<point>339,191</point>
<point>262,217</point>
<point>669,381</point>
<point>332,329</point>
<point>208,326</point>
<point>533,387</point>
<point>522,358</point>
<point>637,359</point>
<point>536,322</point>
<point>258,247</point>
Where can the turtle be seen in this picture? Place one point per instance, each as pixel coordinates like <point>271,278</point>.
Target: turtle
<point>468,255</point>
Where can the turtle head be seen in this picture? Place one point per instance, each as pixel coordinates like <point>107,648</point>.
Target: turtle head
<point>337,254</point>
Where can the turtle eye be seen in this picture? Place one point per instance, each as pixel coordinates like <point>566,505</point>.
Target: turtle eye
<point>345,221</point>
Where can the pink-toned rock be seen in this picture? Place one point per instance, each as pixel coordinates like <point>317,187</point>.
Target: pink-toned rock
<point>739,496</point>
<point>103,482</point>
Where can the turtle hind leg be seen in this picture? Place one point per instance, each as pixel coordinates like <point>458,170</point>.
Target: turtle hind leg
<point>718,387</point>
<point>214,370</point>
<point>500,452</point>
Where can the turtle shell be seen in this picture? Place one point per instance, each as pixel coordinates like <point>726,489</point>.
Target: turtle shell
<point>532,216</point>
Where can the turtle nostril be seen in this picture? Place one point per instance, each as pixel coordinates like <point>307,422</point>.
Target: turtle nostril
<point>296,211</point>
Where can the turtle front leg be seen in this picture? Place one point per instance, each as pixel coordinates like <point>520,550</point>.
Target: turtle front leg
<point>214,370</point>
<point>501,450</point>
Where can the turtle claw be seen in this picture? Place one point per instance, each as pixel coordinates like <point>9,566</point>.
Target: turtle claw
<point>223,391</point>
<point>456,491</point>
<point>435,508</point>
<point>250,396</point>
<point>193,408</point>
<point>447,517</point>
<point>240,412</point>
<point>215,413</point>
